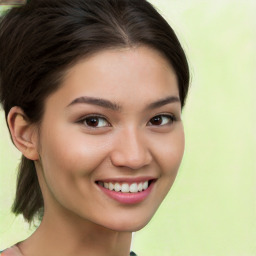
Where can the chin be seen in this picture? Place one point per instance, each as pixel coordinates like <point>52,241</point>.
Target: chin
<point>129,224</point>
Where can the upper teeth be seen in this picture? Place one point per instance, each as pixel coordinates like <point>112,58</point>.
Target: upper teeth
<point>125,187</point>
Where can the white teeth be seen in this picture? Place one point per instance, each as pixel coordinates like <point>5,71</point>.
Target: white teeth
<point>125,187</point>
<point>140,187</point>
<point>145,185</point>
<point>110,186</point>
<point>117,187</point>
<point>134,188</point>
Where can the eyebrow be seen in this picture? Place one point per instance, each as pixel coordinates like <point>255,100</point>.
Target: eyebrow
<point>116,107</point>
<point>162,102</point>
<point>96,101</point>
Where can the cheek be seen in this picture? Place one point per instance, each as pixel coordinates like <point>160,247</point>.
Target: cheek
<point>169,151</point>
<point>69,164</point>
<point>75,151</point>
<point>70,157</point>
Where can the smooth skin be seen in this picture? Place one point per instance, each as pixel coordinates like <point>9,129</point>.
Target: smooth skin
<point>132,129</point>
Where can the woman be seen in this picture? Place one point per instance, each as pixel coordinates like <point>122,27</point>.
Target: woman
<point>92,93</point>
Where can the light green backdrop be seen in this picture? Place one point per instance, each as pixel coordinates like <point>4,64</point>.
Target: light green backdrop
<point>211,209</point>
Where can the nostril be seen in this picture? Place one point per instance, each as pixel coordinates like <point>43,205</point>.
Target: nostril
<point>135,162</point>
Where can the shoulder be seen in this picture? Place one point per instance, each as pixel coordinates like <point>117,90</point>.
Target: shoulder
<point>12,251</point>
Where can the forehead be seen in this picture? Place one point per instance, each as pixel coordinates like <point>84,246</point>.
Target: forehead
<point>123,75</point>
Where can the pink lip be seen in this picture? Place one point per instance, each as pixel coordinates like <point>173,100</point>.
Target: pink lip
<point>128,198</point>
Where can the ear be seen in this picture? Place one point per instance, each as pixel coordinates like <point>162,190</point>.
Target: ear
<point>24,134</point>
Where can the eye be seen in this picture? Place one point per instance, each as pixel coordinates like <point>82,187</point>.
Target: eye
<point>95,121</point>
<point>161,120</point>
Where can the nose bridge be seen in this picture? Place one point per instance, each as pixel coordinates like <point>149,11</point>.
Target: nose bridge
<point>131,149</point>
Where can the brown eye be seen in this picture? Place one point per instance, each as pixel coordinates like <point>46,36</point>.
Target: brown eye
<point>161,120</point>
<point>95,121</point>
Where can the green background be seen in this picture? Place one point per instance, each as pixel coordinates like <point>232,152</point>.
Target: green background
<point>211,208</point>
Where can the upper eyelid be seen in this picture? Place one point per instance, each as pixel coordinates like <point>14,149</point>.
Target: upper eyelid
<point>92,115</point>
<point>167,115</point>
<point>104,117</point>
<point>171,116</point>
<point>82,119</point>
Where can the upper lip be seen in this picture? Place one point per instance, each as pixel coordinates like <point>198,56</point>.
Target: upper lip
<point>128,179</point>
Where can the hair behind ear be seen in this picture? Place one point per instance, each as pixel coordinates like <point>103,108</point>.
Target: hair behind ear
<point>29,199</point>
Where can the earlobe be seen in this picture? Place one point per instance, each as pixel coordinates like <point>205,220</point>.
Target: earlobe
<point>23,133</point>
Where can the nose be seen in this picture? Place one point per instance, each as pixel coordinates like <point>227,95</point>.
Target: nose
<point>130,150</point>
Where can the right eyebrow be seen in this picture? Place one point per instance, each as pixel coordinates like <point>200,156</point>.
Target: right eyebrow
<point>96,101</point>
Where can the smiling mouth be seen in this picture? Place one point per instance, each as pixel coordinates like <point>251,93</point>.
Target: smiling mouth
<point>125,187</point>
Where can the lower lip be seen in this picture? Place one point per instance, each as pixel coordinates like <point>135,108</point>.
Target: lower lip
<point>128,198</point>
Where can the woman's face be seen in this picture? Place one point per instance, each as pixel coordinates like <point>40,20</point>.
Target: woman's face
<point>115,121</point>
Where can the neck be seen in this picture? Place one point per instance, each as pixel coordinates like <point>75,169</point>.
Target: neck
<point>60,234</point>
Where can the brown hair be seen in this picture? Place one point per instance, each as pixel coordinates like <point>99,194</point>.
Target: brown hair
<point>42,39</point>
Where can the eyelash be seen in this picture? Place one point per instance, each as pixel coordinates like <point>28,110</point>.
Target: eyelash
<point>171,118</point>
<point>82,121</point>
<point>95,116</point>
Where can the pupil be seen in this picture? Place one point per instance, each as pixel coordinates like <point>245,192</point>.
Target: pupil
<point>93,121</point>
<point>157,120</point>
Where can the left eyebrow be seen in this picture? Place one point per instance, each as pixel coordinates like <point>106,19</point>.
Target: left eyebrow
<point>162,102</point>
